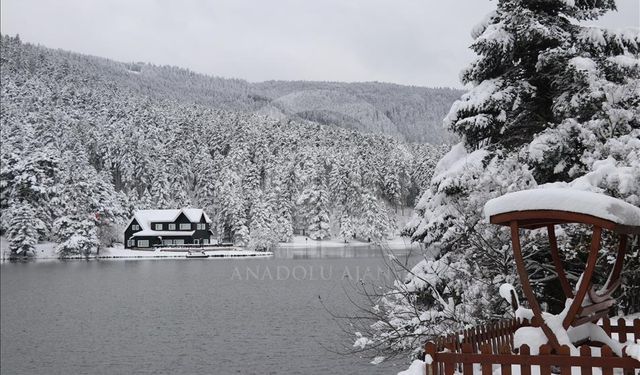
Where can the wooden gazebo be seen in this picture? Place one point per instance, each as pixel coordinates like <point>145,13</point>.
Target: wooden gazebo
<point>547,208</point>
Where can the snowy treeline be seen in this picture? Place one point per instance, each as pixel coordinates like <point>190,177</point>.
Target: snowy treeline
<point>79,153</point>
<point>406,112</point>
<point>552,101</point>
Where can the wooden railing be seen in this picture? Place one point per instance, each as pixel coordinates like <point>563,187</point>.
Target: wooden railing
<point>485,349</point>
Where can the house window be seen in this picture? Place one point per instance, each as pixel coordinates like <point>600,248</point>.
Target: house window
<point>143,243</point>
<point>135,227</point>
<point>158,226</point>
<point>202,226</point>
<point>172,227</point>
<point>186,226</point>
<point>205,241</point>
<point>131,243</point>
<point>178,242</point>
<point>167,242</point>
<point>196,241</point>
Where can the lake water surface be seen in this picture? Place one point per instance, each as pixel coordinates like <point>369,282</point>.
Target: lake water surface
<point>222,316</point>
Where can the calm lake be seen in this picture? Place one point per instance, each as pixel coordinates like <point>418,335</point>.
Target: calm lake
<point>222,316</point>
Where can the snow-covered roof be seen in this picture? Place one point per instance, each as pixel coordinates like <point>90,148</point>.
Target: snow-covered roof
<point>156,233</point>
<point>566,199</point>
<point>146,217</point>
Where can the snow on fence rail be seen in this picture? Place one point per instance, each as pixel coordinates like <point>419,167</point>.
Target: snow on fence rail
<point>488,350</point>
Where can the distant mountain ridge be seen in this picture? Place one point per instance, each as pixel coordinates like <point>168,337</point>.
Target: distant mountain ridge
<point>409,113</point>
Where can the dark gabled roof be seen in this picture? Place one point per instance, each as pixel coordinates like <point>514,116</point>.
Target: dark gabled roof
<point>146,217</point>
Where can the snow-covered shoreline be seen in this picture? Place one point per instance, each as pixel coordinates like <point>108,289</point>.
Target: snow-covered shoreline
<point>302,242</point>
<point>45,251</point>
<point>141,255</point>
<point>121,253</point>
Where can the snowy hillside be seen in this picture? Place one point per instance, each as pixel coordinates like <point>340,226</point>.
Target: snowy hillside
<point>80,153</point>
<point>409,113</point>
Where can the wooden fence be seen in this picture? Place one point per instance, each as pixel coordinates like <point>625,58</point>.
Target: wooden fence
<point>487,348</point>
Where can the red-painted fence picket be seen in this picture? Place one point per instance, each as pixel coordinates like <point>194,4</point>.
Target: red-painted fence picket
<point>491,346</point>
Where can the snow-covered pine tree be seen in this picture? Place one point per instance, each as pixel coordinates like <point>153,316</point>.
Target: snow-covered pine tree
<point>262,226</point>
<point>552,100</point>
<point>281,207</point>
<point>391,189</point>
<point>240,230</point>
<point>176,177</point>
<point>549,93</point>
<point>344,199</point>
<point>315,200</point>
<point>230,215</point>
<point>90,207</point>
<point>202,180</point>
<point>23,229</point>
<point>31,178</point>
<point>373,223</point>
<point>347,227</point>
<point>76,235</point>
<point>160,196</point>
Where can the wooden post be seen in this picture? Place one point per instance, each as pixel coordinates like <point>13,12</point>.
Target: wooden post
<point>585,283</point>
<point>506,368</point>
<point>467,368</point>
<point>535,321</point>
<point>512,329</point>
<point>607,352</point>
<point>622,330</point>
<point>613,281</point>
<point>606,325</point>
<point>526,286</point>
<point>545,350</point>
<point>565,369</point>
<point>493,335</point>
<point>585,351</point>
<point>486,366</point>
<point>499,336</point>
<point>449,368</point>
<point>431,350</point>
<point>525,351</point>
<point>557,262</point>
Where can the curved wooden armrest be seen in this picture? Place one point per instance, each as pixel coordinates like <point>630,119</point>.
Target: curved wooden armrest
<point>597,298</point>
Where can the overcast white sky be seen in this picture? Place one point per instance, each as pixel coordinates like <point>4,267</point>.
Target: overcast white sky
<point>412,42</point>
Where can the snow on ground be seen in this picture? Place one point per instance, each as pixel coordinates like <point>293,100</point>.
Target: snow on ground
<point>46,251</point>
<point>303,241</point>
<point>121,252</point>
<point>43,250</point>
<point>417,368</point>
